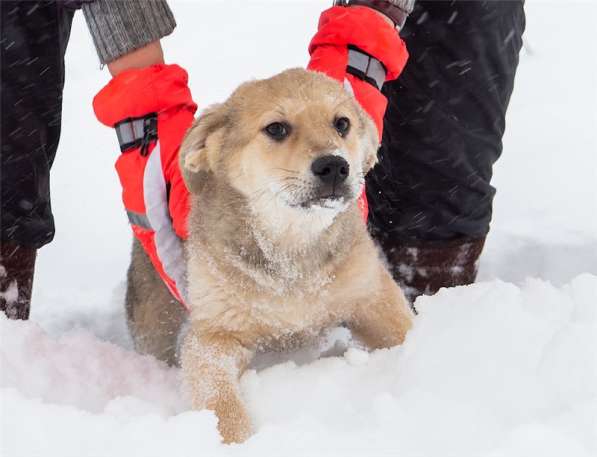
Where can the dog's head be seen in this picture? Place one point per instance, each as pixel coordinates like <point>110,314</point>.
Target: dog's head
<point>297,144</point>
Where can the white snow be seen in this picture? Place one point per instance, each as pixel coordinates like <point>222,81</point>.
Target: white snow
<point>491,369</point>
<point>503,368</point>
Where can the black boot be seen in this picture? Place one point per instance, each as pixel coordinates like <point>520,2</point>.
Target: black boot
<point>424,267</point>
<point>17,264</point>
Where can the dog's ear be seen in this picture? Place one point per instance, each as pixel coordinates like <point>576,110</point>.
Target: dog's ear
<point>197,157</point>
<point>370,142</point>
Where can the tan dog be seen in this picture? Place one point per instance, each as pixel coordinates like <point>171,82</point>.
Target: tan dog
<point>278,250</point>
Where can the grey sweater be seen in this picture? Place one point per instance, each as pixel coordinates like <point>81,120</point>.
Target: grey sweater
<point>405,5</point>
<point>121,26</point>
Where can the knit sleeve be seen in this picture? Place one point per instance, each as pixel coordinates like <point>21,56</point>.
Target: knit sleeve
<point>121,26</point>
<point>405,5</point>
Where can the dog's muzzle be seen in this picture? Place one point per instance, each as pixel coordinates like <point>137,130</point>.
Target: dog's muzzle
<point>330,187</point>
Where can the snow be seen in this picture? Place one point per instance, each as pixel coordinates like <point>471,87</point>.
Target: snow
<point>491,369</point>
<point>506,367</point>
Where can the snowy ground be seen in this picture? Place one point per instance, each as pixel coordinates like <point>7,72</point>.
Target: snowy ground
<point>507,367</point>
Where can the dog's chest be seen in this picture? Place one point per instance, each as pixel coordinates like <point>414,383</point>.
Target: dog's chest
<point>297,312</point>
<point>274,297</point>
<point>233,303</point>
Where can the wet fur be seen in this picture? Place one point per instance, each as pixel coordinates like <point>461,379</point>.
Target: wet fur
<point>264,275</point>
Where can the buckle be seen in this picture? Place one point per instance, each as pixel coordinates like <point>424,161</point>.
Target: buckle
<point>134,132</point>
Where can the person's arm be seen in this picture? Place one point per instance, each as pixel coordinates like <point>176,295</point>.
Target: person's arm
<point>126,33</point>
<point>149,104</point>
<point>150,54</point>
<point>357,43</point>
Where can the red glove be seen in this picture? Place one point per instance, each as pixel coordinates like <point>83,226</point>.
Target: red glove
<point>151,109</point>
<point>345,39</point>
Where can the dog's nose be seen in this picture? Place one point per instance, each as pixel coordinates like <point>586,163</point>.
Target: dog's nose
<point>330,169</point>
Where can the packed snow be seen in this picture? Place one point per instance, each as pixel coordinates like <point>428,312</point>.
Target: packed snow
<point>506,367</point>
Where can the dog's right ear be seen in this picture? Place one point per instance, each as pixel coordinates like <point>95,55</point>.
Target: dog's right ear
<point>197,157</point>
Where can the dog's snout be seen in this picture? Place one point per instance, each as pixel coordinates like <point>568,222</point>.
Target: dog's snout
<point>330,169</point>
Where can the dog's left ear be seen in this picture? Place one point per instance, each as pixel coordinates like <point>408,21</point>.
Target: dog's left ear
<point>197,156</point>
<point>370,141</point>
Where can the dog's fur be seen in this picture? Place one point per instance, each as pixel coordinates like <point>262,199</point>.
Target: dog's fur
<point>271,260</point>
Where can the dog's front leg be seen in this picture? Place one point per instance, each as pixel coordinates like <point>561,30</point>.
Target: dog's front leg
<point>383,318</point>
<point>212,365</point>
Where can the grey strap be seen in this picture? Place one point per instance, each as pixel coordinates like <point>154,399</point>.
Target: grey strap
<point>137,132</point>
<point>366,67</point>
<point>130,131</point>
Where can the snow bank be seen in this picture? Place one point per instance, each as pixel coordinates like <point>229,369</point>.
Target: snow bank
<point>488,370</point>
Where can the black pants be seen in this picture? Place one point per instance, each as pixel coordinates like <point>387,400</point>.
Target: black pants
<point>442,134</point>
<point>444,123</point>
<point>34,38</point>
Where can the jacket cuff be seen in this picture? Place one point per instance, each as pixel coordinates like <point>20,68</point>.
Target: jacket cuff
<point>365,29</point>
<point>119,27</point>
<point>161,89</point>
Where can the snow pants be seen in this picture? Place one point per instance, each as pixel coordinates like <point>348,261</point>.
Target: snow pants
<point>442,130</point>
<point>34,36</point>
<point>444,123</point>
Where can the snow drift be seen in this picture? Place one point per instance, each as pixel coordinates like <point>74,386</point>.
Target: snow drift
<point>488,370</point>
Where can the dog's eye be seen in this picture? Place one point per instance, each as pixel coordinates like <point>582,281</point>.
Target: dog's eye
<point>277,130</point>
<point>342,125</point>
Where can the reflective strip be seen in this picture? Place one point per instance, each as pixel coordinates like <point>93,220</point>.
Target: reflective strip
<point>168,245</point>
<point>366,67</point>
<point>139,220</point>
<point>130,131</point>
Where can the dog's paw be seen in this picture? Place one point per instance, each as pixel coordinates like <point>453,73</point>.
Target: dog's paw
<point>234,423</point>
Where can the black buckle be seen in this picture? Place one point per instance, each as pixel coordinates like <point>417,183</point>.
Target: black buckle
<point>137,132</point>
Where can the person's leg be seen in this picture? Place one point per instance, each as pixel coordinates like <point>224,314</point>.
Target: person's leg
<point>34,38</point>
<point>430,196</point>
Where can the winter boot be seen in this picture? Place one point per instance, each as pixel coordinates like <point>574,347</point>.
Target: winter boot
<point>17,264</point>
<point>424,267</point>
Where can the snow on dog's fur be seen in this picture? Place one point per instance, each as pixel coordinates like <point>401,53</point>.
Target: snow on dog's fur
<point>276,253</point>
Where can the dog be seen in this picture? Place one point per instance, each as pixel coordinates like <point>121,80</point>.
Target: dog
<point>278,250</point>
